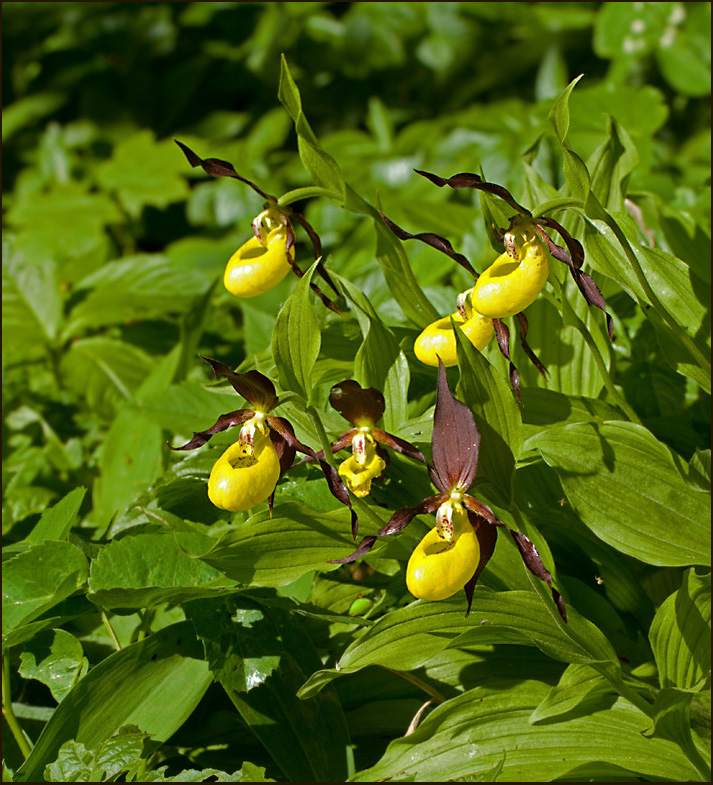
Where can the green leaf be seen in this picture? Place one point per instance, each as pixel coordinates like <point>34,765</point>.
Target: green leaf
<point>154,684</point>
<point>409,637</point>
<point>144,172</point>
<point>146,570</point>
<point>559,114</point>
<point>39,578</point>
<point>75,763</point>
<point>55,658</point>
<point>625,487</point>
<point>135,288</point>
<point>260,654</point>
<point>469,734</point>
<point>396,394</point>
<point>296,339</point>
<point>56,521</point>
<point>579,683</point>
<point>247,773</point>
<point>680,634</point>
<point>275,551</point>
<point>28,110</point>
<point>497,416</point>
<point>105,372</point>
<point>130,460</point>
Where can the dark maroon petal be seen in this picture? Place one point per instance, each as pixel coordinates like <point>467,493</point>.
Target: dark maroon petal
<point>469,180</point>
<point>455,440</point>
<point>401,518</point>
<point>316,247</point>
<point>481,509</point>
<point>361,407</point>
<point>434,240</point>
<point>313,286</point>
<point>284,428</point>
<point>502,333</point>
<point>575,256</point>
<point>285,450</point>
<point>522,319</point>
<point>217,168</point>
<point>225,421</point>
<point>363,548</point>
<point>487,535</point>
<point>400,445</point>
<point>593,296</point>
<point>253,386</point>
<point>339,490</point>
<point>533,562</point>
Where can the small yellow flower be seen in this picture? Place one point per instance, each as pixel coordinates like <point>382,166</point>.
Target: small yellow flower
<point>439,566</point>
<point>245,474</point>
<point>515,279</point>
<point>439,340</point>
<point>264,260</point>
<point>363,466</point>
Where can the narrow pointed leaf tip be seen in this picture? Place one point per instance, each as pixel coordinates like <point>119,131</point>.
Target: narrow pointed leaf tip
<point>456,440</point>
<point>359,406</point>
<point>253,386</point>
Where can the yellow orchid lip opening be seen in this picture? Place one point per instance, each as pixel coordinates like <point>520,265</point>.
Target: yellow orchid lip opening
<point>245,474</point>
<point>259,265</point>
<point>438,568</point>
<point>439,340</point>
<point>516,278</point>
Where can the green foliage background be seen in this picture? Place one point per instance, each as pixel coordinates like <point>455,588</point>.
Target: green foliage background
<point>229,626</point>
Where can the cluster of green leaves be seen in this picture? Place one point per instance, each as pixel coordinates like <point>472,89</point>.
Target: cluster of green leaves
<point>151,637</point>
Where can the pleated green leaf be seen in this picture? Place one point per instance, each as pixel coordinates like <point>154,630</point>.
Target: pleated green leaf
<point>154,684</point>
<point>625,487</point>
<point>472,733</point>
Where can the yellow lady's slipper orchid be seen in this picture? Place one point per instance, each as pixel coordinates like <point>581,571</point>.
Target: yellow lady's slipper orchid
<point>263,261</point>
<point>245,474</point>
<point>439,340</point>
<point>515,279</point>
<point>363,466</point>
<point>439,567</point>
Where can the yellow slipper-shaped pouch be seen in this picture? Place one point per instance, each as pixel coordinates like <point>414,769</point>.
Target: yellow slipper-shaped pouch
<point>255,268</point>
<point>239,480</point>
<point>509,285</point>
<point>438,339</point>
<point>439,568</point>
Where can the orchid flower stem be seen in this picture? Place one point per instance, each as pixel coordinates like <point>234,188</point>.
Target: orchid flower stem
<point>361,507</point>
<point>7,711</point>
<point>418,683</point>
<point>110,630</point>
<point>581,327</point>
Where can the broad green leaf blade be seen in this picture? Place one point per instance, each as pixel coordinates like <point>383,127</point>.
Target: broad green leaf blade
<point>680,633</point>
<point>149,569</point>
<point>396,394</point>
<point>625,487</point>
<point>579,683</point>
<point>296,339</point>
<point>154,684</point>
<point>276,551</point>
<point>497,415</point>
<point>38,579</point>
<point>55,658</point>
<point>260,654</point>
<point>56,521</point>
<point>130,460</point>
<point>409,637</point>
<point>469,734</point>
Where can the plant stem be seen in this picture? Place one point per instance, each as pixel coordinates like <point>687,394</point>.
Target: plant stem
<point>110,630</point>
<point>18,734</point>
<point>582,329</point>
<point>308,192</point>
<point>418,683</point>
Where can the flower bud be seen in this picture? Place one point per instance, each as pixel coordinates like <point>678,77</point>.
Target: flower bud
<point>439,568</point>
<point>244,475</point>
<point>515,279</point>
<point>438,339</point>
